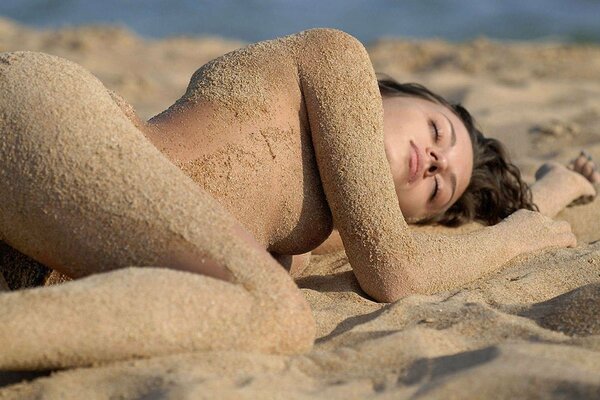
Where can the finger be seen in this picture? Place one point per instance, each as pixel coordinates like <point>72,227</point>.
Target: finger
<point>590,192</point>
<point>595,177</point>
<point>564,240</point>
<point>579,163</point>
<point>594,169</point>
<point>588,169</point>
<point>563,227</point>
<point>571,240</point>
<point>559,228</point>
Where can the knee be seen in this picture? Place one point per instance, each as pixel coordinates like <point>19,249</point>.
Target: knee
<point>16,66</point>
<point>25,75</point>
<point>23,72</point>
<point>29,59</point>
<point>330,36</point>
<point>41,87</point>
<point>293,327</point>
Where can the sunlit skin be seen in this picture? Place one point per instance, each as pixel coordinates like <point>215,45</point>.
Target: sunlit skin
<point>130,206</point>
<point>430,155</point>
<point>405,119</point>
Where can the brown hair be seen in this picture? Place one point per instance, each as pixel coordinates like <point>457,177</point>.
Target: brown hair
<point>495,190</point>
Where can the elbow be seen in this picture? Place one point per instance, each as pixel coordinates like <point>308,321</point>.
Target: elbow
<point>389,291</point>
<point>392,276</point>
<point>390,296</point>
<point>394,281</point>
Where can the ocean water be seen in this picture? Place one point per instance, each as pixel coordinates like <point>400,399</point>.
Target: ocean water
<point>254,20</point>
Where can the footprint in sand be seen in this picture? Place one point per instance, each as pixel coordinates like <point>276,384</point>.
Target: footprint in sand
<point>573,313</point>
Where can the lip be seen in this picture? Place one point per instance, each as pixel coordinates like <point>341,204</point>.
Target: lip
<point>415,163</point>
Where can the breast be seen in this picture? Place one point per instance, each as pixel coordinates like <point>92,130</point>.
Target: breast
<point>304,217</point>
<point>266,175</point>
<point>249,145</point>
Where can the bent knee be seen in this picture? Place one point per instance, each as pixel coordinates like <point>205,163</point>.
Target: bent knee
<point>19,59</point>
<point>292,329</point>
<point>42,79</point>
<point>42,94</point>
<point>18,65</point>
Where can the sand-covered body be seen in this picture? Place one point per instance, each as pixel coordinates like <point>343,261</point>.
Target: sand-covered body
<point>241,131</point>
<point>84,185</point>
<point>526,331</point>
<point>81,187</point>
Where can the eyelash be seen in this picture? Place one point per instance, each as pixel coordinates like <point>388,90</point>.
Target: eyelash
<point>435,189</point>
<point>436,132</point>
<point>435,129</point>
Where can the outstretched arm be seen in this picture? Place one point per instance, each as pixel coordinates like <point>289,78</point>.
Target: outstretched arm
<point>346,119</point>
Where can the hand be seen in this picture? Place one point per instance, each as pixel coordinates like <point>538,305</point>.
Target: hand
<point>585,166</point>
<point>569,180</point>
<point>530,231</point>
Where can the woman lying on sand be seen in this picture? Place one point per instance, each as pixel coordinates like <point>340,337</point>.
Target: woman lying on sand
<point>280,139</point>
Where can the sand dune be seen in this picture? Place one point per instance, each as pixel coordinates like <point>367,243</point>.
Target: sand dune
<point>530,330</point>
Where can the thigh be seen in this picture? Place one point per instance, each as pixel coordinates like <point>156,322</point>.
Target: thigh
<point>83,191</point>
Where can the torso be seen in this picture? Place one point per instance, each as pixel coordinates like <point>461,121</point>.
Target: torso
<point>242,133</point>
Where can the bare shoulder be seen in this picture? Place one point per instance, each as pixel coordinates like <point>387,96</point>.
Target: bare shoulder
<point>248,79</point>
<point>329,39</point>
<point>257,74</point>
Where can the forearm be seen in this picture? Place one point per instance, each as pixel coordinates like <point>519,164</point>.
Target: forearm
<point>452,261</point>
<point>346,121</point>
<point>389,261</point>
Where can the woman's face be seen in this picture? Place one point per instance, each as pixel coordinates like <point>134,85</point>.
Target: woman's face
<point>430,155</point>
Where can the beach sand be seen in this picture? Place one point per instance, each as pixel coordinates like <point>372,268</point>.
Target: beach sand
<point>529,330</point>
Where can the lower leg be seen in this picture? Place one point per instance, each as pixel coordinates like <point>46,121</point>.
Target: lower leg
<point>142,312</point>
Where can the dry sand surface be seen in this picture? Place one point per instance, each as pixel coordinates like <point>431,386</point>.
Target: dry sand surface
<point>530,330</point>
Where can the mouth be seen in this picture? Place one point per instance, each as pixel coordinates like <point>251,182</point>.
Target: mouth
<point>415,163</point>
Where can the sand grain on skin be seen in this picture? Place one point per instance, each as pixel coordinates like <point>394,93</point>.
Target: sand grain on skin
<point>468,342</point>
<point>63,160</point>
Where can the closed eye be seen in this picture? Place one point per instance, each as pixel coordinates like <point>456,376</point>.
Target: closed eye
<point>436,189</point>
<point>435,130</point>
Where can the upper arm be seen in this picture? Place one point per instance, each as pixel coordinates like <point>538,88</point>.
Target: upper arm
<point>346,119</point>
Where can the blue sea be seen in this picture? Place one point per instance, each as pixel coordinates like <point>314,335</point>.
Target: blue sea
<point>254,20</point>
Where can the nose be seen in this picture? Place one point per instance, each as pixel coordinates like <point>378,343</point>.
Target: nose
<point>437,162</point>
